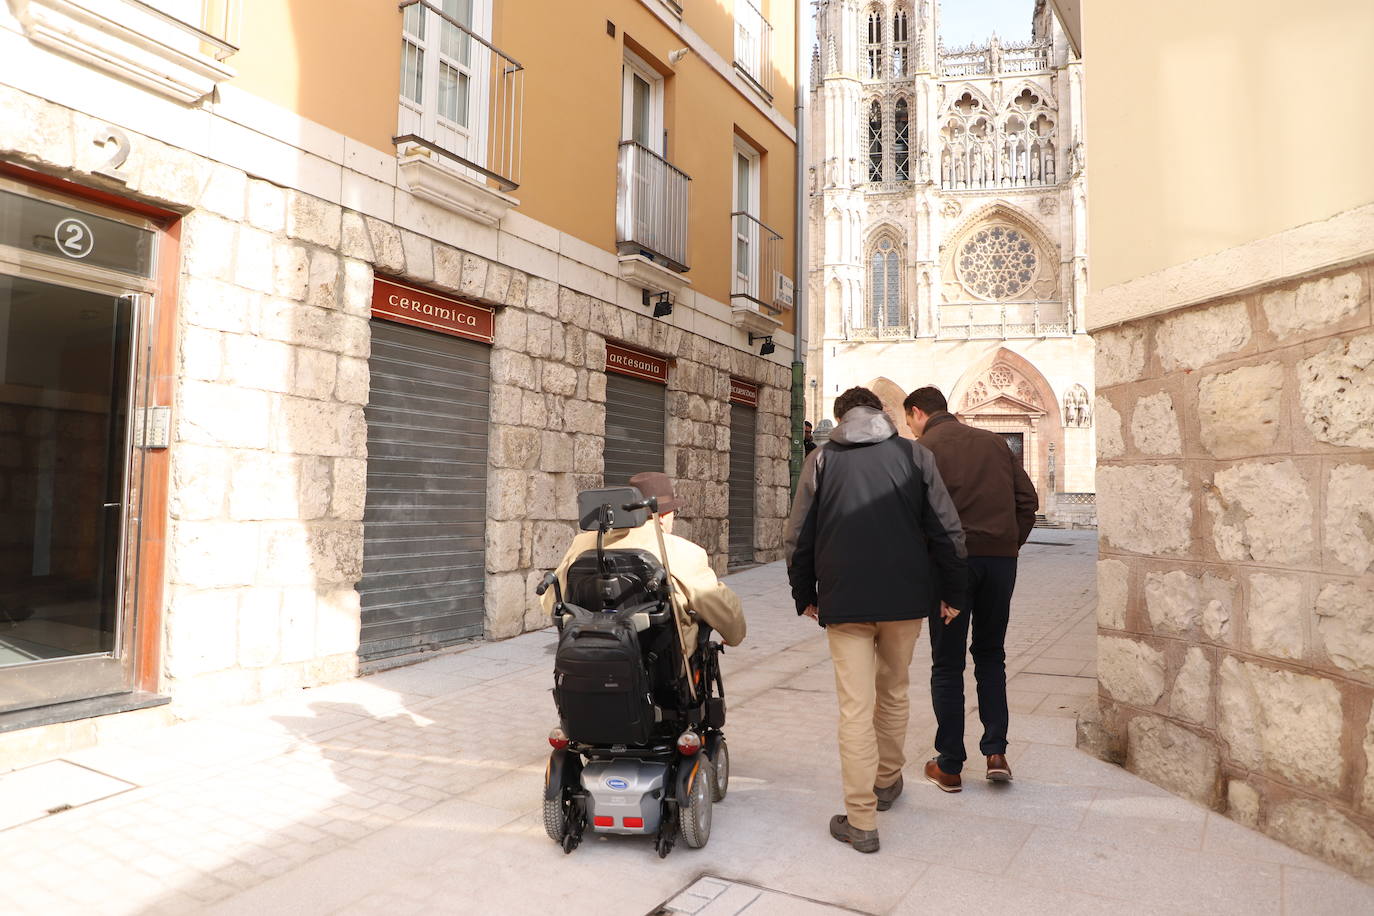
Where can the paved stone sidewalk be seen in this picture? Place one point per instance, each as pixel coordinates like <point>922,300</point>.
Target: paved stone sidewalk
<point>418,791</point>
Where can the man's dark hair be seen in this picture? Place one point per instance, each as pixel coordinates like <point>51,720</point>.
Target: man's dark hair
<point>857,396</point>
<point>806,423</point>
<point>928,399</point>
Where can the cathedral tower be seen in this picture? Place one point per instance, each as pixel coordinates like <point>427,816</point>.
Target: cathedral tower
<point>948,232</point>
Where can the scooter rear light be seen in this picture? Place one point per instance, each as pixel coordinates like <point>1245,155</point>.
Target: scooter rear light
<point>688,743</point>
<point>558,739</point>
<point>634,822</point>
<point>603,821</point>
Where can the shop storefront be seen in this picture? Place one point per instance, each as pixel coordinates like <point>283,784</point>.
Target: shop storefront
<point>744,400</point>
<point>424,555</point>
<point>635,413</point>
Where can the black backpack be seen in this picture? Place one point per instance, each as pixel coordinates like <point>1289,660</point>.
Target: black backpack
<point>600,684</point>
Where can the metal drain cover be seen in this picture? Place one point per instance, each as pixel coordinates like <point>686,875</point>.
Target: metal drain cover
<point>711,896</point>
<point>51,788</point>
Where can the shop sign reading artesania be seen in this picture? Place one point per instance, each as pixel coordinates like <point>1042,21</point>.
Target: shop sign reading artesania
<point>636,363</point>
<point>424,309</point>
<point>742,392</point>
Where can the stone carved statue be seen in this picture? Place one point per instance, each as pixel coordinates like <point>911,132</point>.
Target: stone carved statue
<point>951,209</point>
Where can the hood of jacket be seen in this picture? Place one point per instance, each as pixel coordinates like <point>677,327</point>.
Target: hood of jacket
<point>863,426</point>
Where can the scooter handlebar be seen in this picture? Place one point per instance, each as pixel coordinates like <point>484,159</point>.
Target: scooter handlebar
<point>650,503</point>
<point>544,584</point>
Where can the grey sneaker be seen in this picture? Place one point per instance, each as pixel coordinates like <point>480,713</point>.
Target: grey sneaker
<point>888,795</point>
<point>862,840</point>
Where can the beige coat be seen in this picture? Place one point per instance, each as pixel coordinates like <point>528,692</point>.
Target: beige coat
<point>695,585</point>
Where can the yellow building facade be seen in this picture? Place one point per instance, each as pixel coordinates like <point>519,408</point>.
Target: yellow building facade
<point>1231,240</point>
<point>345,302</point>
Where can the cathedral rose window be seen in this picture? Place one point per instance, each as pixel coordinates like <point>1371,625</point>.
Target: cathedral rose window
<point>997,262</point>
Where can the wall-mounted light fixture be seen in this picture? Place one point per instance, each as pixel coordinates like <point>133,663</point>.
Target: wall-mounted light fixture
<point>767,347</point>
<point>662,302</point>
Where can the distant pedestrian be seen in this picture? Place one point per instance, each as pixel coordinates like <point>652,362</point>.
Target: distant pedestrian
<point>808,437</point>
<point>873,545</point>
<point>996,502</point>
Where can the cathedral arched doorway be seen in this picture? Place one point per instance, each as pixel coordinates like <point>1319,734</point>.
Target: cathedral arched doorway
<point>1004,393</point>
<point>892,396</point>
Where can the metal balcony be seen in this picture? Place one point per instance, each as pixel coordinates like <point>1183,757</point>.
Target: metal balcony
<point>462,98</point>
<point>651,207</point>
<point>758,256</point>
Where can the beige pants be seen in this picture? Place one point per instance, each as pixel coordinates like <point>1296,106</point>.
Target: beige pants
<point>872,662</point>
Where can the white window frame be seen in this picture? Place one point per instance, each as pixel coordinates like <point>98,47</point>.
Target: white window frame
<point>745,233</point>
<point>749,38</point>
<point>635,66</point>
<point>422,117</point>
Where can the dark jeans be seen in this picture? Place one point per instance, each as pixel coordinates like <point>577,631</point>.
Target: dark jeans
<point>990,584</point>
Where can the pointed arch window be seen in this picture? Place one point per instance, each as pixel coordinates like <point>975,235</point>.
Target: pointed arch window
<point>900,44</point>
<point>901,146</point>
<point>875,142</point>
<point>884,286</point>
<point>875,44</point>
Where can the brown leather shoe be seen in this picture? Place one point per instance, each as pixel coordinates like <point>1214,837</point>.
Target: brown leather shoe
<point>998,768</point>
<point>888,794</point>
<point>862,840</point>
<point>946,782</point>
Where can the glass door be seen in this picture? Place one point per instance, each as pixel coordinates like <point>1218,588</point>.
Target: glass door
<point>1017,443</point>
<point>73,302</point>
<point>65,373</point>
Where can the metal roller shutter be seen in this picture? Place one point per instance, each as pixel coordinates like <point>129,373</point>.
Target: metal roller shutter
<point>634,428</point>
<point>743,423</point>
<point>424,528</point>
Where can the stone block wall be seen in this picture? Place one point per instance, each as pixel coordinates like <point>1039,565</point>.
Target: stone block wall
<point>1236,580</point>
<point>269,440</point>
<point>269,445</point>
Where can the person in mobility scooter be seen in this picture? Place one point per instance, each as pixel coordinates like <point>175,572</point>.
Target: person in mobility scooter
<point>639,747</point>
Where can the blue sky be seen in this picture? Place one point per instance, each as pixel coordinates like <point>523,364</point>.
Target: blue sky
<point>965,21</point>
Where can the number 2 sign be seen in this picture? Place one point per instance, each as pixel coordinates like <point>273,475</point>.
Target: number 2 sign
<point>74,238</point>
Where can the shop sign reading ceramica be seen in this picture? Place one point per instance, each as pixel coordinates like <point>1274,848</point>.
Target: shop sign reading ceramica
<point>424,309</point>
<point>743,392</point>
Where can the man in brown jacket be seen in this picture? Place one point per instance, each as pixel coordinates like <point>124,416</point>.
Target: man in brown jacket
<point>996,502</point>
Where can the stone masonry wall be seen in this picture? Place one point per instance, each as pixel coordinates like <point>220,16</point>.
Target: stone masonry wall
<point>268,478</point>
<point>1236,580</point>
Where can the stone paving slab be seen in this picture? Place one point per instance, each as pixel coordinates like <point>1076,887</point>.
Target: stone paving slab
<point>418,790</point>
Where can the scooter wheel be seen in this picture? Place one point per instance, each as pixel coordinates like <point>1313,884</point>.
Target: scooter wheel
<point>696,819</point>
<point>721,764</point>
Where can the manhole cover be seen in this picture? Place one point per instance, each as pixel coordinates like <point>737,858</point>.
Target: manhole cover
<point>711,896</point>
<point>51,788</point>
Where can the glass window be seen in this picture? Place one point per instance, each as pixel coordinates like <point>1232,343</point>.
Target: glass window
<point>997,262</point>
<point>901,134</point>
<point>875,142</point>
<point>38,225</point>
<point>884,286</point>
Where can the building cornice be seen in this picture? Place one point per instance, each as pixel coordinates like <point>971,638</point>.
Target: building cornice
<point>1345,238</point>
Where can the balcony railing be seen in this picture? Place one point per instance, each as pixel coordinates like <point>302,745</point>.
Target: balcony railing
<point>754,46</point>
<point>461,97</point>
<point>971,321</point>
<point>994,58</point>
<point>652,206</point>
<point>882,332</point>
<point>758,252</point>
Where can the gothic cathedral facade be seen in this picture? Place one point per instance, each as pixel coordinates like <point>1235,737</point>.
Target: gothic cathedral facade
<point>948,232</point>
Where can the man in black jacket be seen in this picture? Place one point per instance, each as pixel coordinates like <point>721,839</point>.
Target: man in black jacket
<point>873,547</point>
